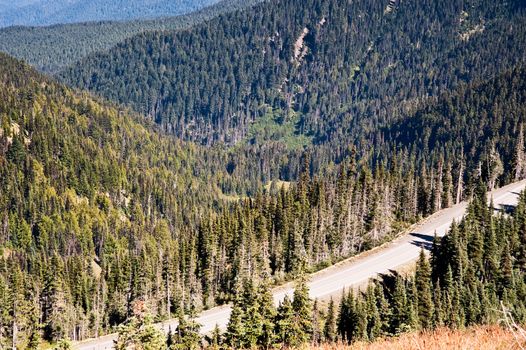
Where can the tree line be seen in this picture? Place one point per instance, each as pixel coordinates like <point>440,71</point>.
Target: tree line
<point>466,281</point>
<point>100,210</point>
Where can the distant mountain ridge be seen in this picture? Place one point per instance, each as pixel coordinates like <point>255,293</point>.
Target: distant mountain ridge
<point>330,70</point>
<point>48,12</point>
<point>52,48</point>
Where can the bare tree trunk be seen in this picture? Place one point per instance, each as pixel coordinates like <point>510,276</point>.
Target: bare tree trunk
<point>460,183</point>
<point>520,157</point>
<point>14,328</point>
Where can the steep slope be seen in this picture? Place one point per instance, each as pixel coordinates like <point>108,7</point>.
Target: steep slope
<point>98,211</point>
<point>47,12</point>
<point>55,47</point>
<point>85,188</point>
<point>58,144</point>
<point>333,71</point>
<point>470,121</point>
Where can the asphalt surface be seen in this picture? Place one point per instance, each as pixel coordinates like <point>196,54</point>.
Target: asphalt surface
<point>353,272</point>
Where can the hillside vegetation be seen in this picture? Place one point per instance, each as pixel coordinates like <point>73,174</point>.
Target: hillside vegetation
<point>253,148</point>
<point>53,48</point>
<point>99,211</point>
<point>475,276</point>
<point>82,187</point>
<point>480,338</point>
<point>211,83</point>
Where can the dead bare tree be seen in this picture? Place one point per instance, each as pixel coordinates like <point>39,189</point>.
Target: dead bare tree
<point>518,332</point>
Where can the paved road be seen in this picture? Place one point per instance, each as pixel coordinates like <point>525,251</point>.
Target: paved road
<point>355,271</point>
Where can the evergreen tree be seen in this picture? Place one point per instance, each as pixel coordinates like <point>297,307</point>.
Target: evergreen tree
<point>252,319</point>
<point>423,290</point>
<point>288,330</point>
<point>139,333</point>
<point>329,330</point>
<point>235,330</point>
<point>302,305</point>
<point>215,339</point>
<point>267,311</point>
<point>401,308</point>
<point>187,335</point>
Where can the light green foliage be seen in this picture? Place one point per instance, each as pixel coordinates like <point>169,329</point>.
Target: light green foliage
<point>140,333</point>
<point>187,335</point>
<point>276,126</point>
<point>63,345</point>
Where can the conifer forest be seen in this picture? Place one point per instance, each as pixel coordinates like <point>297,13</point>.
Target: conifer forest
<point>162,161</point>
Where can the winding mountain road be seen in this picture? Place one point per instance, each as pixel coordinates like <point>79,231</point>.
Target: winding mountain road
<point>353,272</point>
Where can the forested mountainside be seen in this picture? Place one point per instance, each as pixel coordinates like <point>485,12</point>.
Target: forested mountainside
<point>477,125</point>
<point>99,212</point>
<point>476,275</point>
<point>255,146</point>
<point>47,12</point>
<point>53,48</point>
<point>248,76</point>
<point>83,186</point>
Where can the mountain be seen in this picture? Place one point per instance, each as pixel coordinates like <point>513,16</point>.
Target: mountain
<point>47,12</point>
<point>6,5</point>
<point>275,73</point>
<point>53,48</point>
<point>213,161</point>
<point>66,143</point>
<point>100,211</point>
<point>78,179</point>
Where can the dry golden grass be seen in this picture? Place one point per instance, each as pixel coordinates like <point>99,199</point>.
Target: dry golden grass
<point>478,338</point>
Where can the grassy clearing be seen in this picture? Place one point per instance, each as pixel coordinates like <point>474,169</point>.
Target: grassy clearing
<point>275,126</point>
<point>278,185</point>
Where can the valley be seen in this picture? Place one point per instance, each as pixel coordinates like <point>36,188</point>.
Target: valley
<point>355,272</point>
<point>260,174</point>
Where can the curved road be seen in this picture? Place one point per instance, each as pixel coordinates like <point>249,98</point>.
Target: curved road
<point>352,272</point>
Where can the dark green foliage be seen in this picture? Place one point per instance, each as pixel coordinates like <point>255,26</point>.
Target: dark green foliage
<point>288,331</point>
<point>468,294</point>
<point>235,330</point>
<point>99,208</point>
<point>329,331</point>
<point>252,320</point>
<point>342,71</point>
<point>91,216</point>
<point>424,295</point>
<point>267,313</point>
<point>400,309</point>
<point>53,48</point>
<point>302,306</point>
<point>375,97</point>
<point>123,213</point>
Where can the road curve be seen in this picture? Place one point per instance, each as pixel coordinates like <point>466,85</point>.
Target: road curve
<point>352,272</point>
